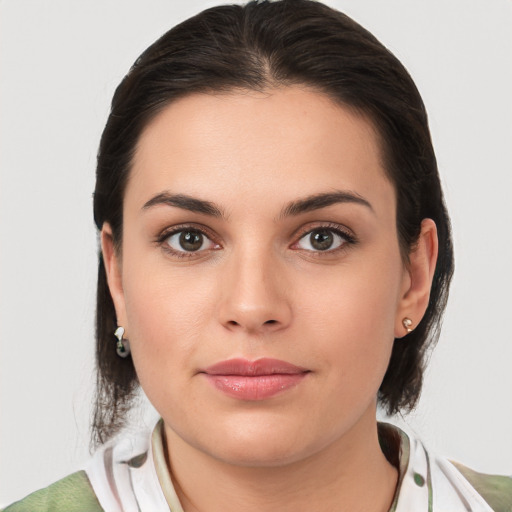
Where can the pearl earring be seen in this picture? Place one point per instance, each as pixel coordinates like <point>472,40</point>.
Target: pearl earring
<point>123,346</point>
<point>407,322</point>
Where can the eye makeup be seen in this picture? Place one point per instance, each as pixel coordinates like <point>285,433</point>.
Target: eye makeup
<point>190,240</point>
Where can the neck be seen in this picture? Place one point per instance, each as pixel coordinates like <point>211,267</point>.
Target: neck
<point>337,477</point>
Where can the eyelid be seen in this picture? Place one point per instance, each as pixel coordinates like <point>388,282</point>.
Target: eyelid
<point>338,229</point>
<point>329,225</point>
<point>171,230</point>
<point>166,233</point>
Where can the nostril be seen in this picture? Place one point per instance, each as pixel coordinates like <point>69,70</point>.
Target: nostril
<point>252,324</point>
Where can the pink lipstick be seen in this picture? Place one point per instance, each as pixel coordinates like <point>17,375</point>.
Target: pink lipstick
<point>254,380</point>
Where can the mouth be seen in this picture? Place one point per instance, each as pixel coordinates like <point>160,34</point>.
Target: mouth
<point>254,380</point>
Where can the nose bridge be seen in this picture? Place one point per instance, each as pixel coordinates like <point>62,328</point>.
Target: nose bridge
<point>254,290</point>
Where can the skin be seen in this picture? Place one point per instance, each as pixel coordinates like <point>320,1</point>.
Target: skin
<point>258,288</point>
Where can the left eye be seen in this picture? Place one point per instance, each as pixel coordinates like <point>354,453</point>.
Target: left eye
<point>321,240</point>
<point>189,241</point>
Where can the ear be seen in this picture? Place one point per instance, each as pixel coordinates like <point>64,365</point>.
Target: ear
<point>418,277</point>
<point>113,268</point>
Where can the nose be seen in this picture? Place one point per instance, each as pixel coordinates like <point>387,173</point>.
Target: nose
<point>254,298</point>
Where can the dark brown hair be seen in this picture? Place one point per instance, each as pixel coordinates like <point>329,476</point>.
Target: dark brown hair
<point>257,46</point>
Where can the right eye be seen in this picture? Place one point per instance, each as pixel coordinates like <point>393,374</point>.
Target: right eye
<point>189,240</point>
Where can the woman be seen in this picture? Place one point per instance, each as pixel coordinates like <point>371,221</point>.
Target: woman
<point>275,256</point>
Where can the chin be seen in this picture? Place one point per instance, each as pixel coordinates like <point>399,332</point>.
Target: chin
<point>263,455</point>
<point>257,445</point>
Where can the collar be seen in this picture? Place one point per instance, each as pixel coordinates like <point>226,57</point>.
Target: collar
<point>131,474</point>
<point>414,489</point>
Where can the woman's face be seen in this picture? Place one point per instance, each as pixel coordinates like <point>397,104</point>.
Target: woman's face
<point>260,227</point>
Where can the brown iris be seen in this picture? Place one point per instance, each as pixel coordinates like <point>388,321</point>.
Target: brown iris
<point>191,240</point>
<point>321,239</point>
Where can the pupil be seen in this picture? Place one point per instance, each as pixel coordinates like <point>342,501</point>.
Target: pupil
<point>321,240</point>
<point>191,241</point>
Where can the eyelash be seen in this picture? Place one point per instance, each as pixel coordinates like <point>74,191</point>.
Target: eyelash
<point>349,238</point>
<point>165,235</point>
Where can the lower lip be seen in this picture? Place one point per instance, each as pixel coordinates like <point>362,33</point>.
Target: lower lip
<point>255,387</point>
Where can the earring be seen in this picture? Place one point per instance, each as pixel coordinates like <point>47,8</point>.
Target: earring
<point>123,346</point>
<point>407,322</point>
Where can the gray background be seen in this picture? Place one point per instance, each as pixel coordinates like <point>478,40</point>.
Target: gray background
<point>60,62</point>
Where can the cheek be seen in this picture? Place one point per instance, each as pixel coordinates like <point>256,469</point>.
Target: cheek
<point>166,319</point>
<point>167,310</point>
<point>351,314</point>
<point>362,297</point>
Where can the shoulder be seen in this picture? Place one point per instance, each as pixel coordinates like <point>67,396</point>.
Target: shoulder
<point>430,482</point>
<point>476,491</point>
<point>71,494</point>
<point>495,489</point>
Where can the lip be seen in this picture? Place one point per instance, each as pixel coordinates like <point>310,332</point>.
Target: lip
<point>254,380</point>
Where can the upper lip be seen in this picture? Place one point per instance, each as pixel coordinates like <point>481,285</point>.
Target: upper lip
<point>244,367</point>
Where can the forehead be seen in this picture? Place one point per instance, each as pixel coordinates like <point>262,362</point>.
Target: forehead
<point>294,140</point>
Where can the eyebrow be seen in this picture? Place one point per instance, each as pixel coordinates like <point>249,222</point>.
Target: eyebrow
<point>297,207</point>
<point>323,200</point>
<point>184,202</point>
